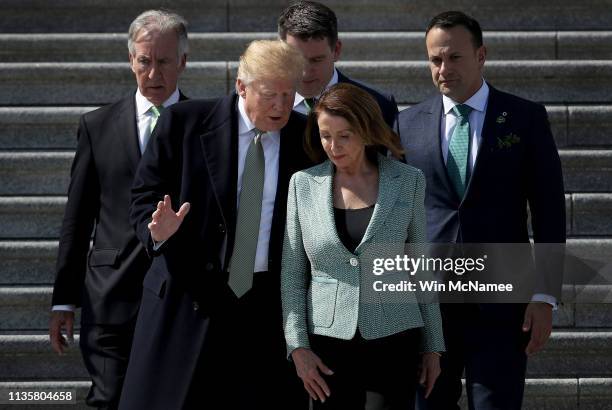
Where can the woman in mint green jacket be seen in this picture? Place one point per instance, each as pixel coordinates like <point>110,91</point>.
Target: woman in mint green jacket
<point>344,337</point>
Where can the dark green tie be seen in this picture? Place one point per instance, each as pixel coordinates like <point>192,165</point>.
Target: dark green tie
<point>242,263</point>
<point>310,103</point>
<point>457,159</point>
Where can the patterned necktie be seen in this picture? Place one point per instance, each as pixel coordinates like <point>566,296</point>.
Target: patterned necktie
<point>310,103</point>
<point>154,113</point>
<point>456,162</point>
<point>242,263</point>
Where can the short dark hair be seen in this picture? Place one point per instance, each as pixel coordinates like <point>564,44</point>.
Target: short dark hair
<point>309,19</point>
<point>450,19</point>
<point>363,114</point>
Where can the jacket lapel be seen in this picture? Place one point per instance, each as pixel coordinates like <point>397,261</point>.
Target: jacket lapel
<point>219,141</point>
<point>388,191</point>
<point>126,130</point>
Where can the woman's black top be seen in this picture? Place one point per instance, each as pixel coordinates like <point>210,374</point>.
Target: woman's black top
<point>352,224</point>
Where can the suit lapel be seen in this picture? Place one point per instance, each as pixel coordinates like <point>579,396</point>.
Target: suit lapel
<point>219,141</point>
<point>489,135</point>
<point>126,130</point>
<point>388,191</point>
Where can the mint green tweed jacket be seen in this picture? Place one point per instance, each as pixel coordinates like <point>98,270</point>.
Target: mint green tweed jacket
<point>326,289</point>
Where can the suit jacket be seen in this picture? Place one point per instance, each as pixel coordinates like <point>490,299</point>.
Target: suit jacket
<point>105,281</point>
<point>193,158</point>
<point>326,289</point>
<point>387,103</point>
<point>517,165</point>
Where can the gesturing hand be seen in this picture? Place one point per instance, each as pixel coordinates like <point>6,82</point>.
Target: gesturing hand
<point>165,221</point>
<point>308,366</point>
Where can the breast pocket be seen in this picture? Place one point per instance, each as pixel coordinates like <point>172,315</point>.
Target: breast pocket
<point>322,300</point>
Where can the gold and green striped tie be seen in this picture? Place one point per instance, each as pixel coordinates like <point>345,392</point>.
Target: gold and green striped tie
<point>457,160</point>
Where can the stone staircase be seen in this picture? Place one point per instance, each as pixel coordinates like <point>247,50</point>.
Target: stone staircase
<point>61,59</point>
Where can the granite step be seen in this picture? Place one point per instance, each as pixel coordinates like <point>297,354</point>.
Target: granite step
<point>567,354</point>
<point>39,217</point>
<point>357,46</point>
<point>54,128</point>
<point>560,81</point>
<point>40,16</point>
<point>48,173</point>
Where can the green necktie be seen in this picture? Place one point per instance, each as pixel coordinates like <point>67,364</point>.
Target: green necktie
<point>242,263</point>
<point>155,113</point>
<point>457,159</point>
<point>310,103</point>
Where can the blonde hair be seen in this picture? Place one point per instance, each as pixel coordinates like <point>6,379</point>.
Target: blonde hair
<point>270,59</point>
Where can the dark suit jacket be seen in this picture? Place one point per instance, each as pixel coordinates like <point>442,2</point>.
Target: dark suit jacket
<point>517,165</point>
<point>386,103</point>
<point>193,158</point>
<point>106,280</point>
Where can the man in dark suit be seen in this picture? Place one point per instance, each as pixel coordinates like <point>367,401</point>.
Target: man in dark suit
<point>312,28</point>
<point>106,280</point>
<point>209,330</point>
<point>487,156</point>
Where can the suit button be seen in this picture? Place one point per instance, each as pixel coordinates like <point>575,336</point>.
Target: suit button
<point>221,228</point>
<point>354,262</point>
<point>209,266</point>
<point>196,306</point>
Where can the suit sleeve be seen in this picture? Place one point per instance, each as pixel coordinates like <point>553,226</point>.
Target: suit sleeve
<point>79,216</point>
<point>545,193</point>
<point>433,340</point>
<point>158,174</point>
<point>294,277</point>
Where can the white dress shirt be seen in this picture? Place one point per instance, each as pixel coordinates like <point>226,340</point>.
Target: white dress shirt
<point>271,146</point>
<point>300,106</point>
<point>144,117</point>
<point>143,123</point>
<point>478,103</point>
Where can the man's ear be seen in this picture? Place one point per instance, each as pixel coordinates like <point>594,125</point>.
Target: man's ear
<point>482,55</point>
<point>337,50</point>
<point>241,88</point>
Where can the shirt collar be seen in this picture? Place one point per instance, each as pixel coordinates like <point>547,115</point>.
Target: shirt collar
<point>244,122</point>
<point>477,102</point>
<point>332,82</point>
<point>143,105</point>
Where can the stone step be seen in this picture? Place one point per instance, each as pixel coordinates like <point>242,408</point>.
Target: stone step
<point>243,15</point>
<point>48,173</point>
<point>357,46</point>
<point>540,394</point>
<point>567,354</point>
<point>561,81</point>
<point>54,128</point>
<point>26,308</point>
<point>39,217</point>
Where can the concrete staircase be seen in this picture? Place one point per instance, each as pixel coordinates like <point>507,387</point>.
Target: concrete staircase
<point>63,58</point>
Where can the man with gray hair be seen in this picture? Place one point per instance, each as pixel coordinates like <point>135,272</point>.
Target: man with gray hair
<point>106,280</point>
<point>209,202</point>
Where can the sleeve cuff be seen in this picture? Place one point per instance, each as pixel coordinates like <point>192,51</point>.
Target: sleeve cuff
<point>544,298</point>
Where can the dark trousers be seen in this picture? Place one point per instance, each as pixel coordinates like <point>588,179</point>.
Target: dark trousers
<point>106,350</point>
<point>243,364</point>
<point>387,366</point>
<point>487,342</point>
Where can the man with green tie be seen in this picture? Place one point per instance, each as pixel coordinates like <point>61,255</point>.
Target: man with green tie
<point>487,156</point>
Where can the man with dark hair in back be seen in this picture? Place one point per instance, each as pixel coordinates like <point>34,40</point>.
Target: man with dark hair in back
<point>487,155</point>
<point>312,28</point>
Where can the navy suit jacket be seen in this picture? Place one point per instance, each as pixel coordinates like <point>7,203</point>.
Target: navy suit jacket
<point>386,103</point>
<point>517,166</point>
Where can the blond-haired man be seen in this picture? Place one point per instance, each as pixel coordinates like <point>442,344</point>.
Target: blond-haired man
<point>209,202</point>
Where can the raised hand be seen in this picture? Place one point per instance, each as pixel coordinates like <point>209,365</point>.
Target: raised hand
<point>165,221</point>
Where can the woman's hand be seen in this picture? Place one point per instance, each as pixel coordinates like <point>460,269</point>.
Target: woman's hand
<point>165,221</point>
<point>430,370</point>
<point>308,366</point>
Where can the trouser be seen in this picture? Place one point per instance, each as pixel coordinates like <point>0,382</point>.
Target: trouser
<point>106,350</point>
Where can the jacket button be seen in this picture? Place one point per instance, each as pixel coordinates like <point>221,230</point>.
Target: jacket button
<point>209,266</point>
<point>196,306</point>
<point>221,228</point>
<point>354,262</point>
